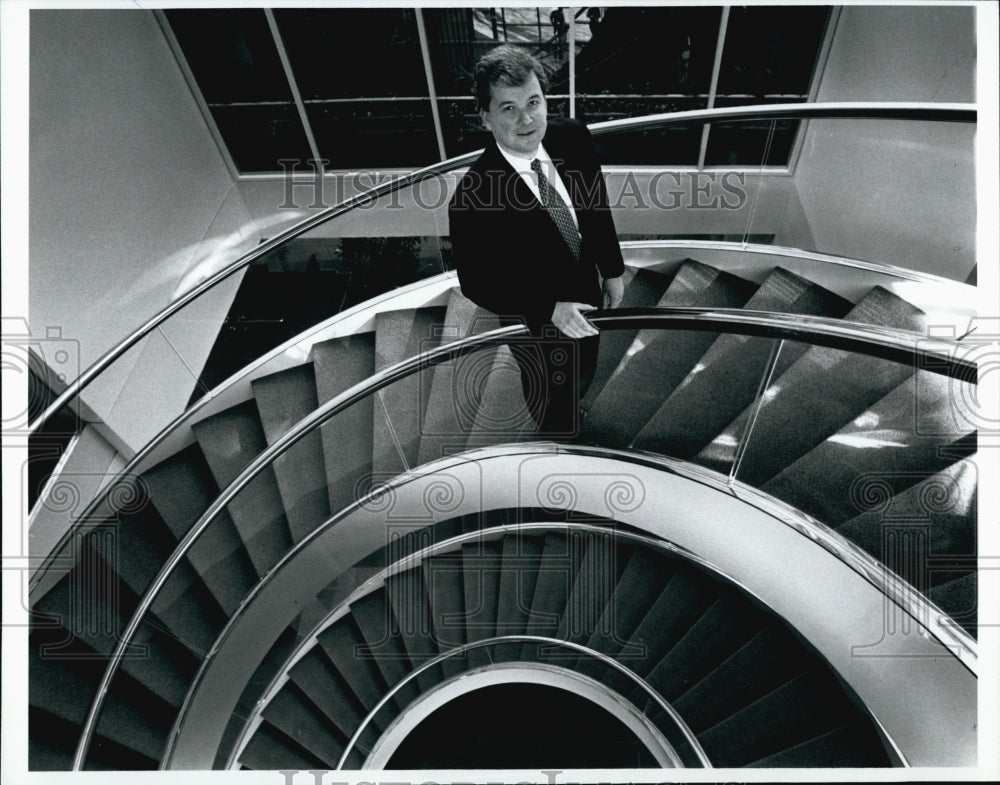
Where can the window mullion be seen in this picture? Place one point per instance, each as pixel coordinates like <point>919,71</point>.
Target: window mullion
<point>293,86</point>
<point>425,52</point>
<point>714,84</point>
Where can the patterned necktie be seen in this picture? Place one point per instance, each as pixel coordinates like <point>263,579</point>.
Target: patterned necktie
<point>557,210</point>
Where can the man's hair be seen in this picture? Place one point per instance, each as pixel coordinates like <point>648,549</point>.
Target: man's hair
<point>508,65</point>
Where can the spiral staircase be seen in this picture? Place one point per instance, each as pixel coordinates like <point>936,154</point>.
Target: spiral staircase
<point>713,675</point>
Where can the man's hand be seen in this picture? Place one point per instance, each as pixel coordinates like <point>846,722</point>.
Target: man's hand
<point>614,290</point>
<point>569,318</point>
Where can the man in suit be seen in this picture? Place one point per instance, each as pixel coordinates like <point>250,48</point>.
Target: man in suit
<point>533,237</point>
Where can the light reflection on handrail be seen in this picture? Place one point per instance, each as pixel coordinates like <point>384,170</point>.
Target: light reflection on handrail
<point>953,112</point>
<point>377,580</point>
<point>889,343</point>
<point>605,659</point>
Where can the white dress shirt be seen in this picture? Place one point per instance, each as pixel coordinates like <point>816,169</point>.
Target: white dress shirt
<point>523,167</point>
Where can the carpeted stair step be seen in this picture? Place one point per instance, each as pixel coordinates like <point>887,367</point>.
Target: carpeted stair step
<point>399,408</point>
<point>725,627</point>
<point>446,590</point>
<point>293,712</point>
<point>346,647</point>
<point>769,659</point>
<point>893,444</point>
<point>184,604</point>
<point>593,587</point>
<point>643,288</point>
<point>181,489</point>
<point>338,365</point>
<point>552,588</point>
<point>658,360</point>
<point>384,645</point>
<point>502,415</point>
<point>683,601</point>
<point>408,600</point>
<point>270,749</point>
<point>230,440</point>
<point>456,386</point>
<point>132,716</point>
<point>315,676</point>
<point>481,568</point>
<point>846,746</point>
<point>726,379</point>
<point>810,705</point>
<point>823,391</point>
<point>521,563</point>
<point>97,603</point>
<point>641,583</point>
<point>283,399</point>
<point>52,750</point>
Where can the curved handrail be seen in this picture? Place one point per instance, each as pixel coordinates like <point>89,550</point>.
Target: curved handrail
<point>936,356</point>
<point>377,580</point>
<point>884,342</point>
<point>604,659</point>
<point>952,112</point>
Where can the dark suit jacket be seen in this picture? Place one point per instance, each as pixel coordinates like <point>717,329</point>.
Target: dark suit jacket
<point>509,254</point>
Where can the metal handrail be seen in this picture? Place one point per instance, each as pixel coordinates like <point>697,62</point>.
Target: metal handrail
<point>605,659</point>
<point>901,346</point>
<point>377,580</point>
<point>952,112</point>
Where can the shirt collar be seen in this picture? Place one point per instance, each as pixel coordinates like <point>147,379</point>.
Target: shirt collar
<point>521,164</point>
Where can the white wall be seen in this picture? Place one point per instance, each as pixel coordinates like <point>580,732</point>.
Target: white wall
<point>892,191</point>
<point>130,203</point>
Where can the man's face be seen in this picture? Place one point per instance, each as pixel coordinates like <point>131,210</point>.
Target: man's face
<point>516,116</point>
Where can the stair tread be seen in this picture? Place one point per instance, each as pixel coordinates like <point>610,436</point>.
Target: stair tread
<point>269,749</point>
<point>456,387</point>
<point>724,628</point>
<point>643,288</point>
<point>783,718</point>
<point>821,392</point>
<point>726,378</point>
<point>768,660</point>
<point>181,488</point>
<point>399,407</point>
<point>658,360</point>
<point>521,561</point>
<point>481,573</point>
<point>293,713</point>
<point>552,589</point>
<point>641,583</point>
<point>338,365</point>
<point>283,399</point>
<point>383,643</point>
<point>347,649</point>
<point>446,592</point>
<point>502,415</point>
<point>408,599</point>
<point>893,443</point>
<point>841,747</point>
<point>315,676</point>
<point>230,440</point>
<point>592,590</point>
